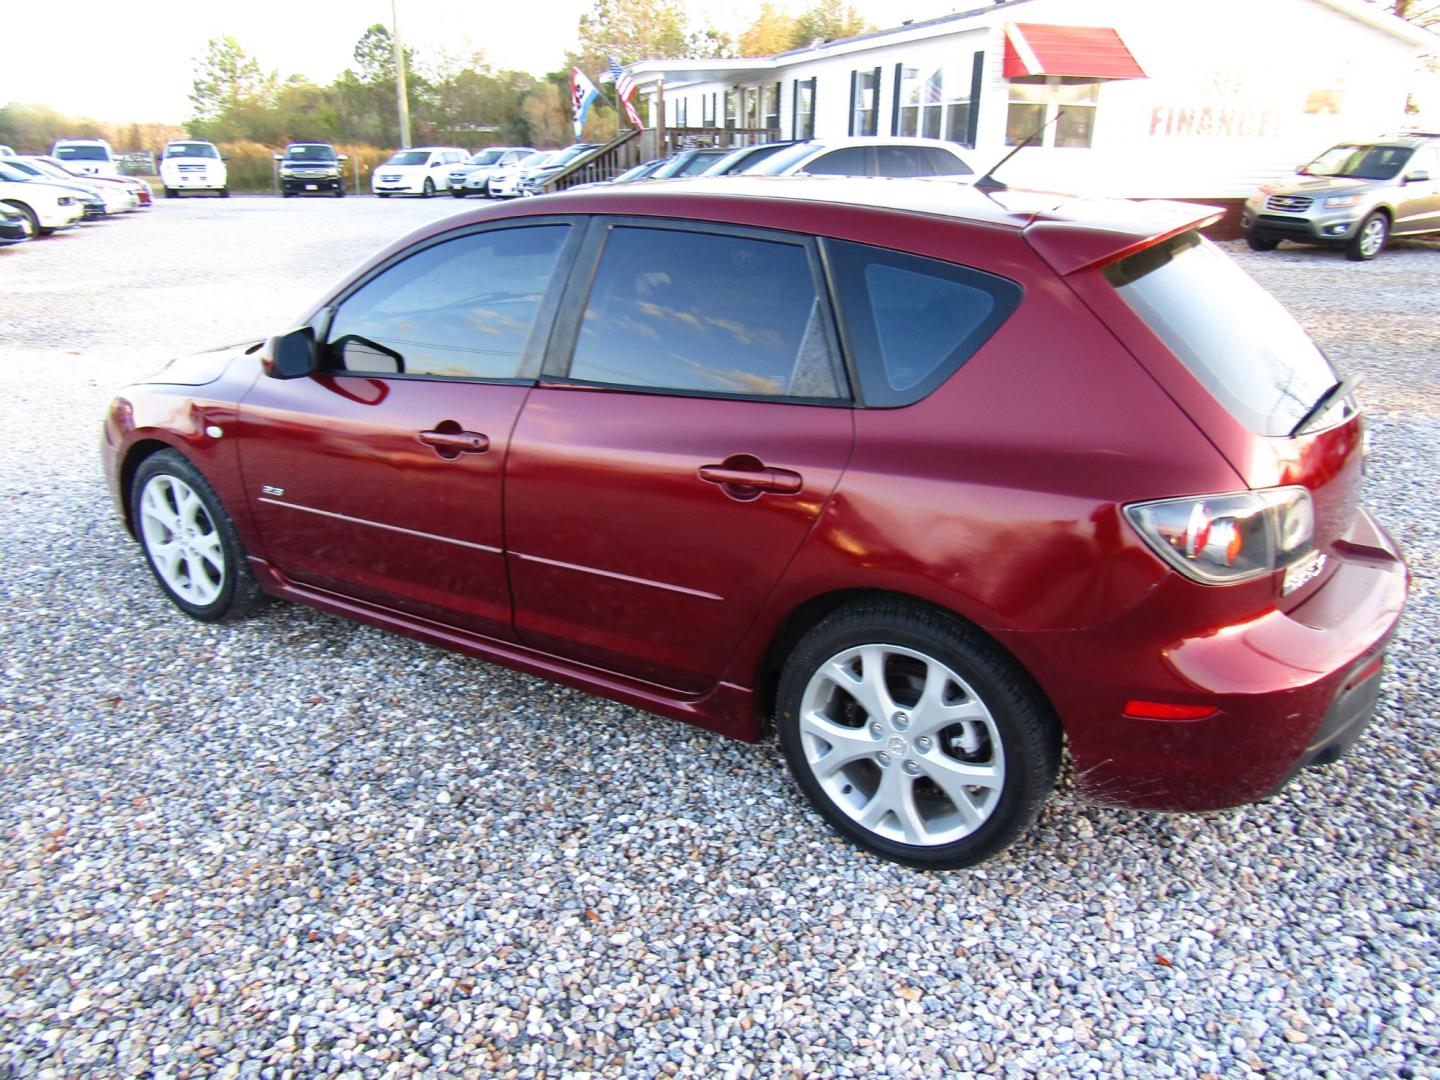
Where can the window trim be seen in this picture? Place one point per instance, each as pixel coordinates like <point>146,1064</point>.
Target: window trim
<point>565,334</point>
<point>533,354</point>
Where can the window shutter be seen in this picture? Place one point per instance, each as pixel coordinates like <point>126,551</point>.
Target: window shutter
<point>854,78</point>
<point>895,108</point>
<point>977,77</point>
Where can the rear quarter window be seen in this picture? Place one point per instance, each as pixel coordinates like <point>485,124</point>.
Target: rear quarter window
<point>912,322</point>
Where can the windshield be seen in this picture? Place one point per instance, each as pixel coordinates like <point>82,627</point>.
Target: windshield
<point>744,158</point>
<point>310,152</point>
<point>1361,162</point>
<point>49,168</point>
<point>570,153</point>
<point>536,160</point>
<point>13,174</point>
<point>1257,360</point>
<point>486,157</point>
<point>191,149</point>
<point>82,153</point>
<point>21,166</point>
<point>781,161</point>
<point>409,157</point>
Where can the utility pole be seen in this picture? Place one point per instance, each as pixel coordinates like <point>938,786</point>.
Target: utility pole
<point>400,74</point>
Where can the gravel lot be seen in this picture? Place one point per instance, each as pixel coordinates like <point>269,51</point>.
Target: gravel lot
<point>295,846</point>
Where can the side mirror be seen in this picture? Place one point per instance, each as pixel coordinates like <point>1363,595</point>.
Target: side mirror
<point>344,157</point>
<point>1419,176</point>
<point>277,157</point>
<point>292,355</point>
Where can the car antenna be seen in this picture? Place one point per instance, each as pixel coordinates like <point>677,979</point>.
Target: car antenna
<point>988,180</point>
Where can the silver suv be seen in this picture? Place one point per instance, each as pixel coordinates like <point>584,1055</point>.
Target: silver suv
<point>1355,195</point>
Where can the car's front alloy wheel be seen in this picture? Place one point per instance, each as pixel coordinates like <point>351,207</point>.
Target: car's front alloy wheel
<point>914,735</point>
<point>1369,239</point>
<point>189,540</point>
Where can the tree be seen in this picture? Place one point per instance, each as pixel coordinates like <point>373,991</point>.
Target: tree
<point>227,79</point>
<point>827,20</point>
<point>773,31</point>
<point>630,30</point>
<point>1420,12</point>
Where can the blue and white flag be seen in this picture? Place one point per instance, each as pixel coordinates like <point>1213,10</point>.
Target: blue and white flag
<point>582,96</point>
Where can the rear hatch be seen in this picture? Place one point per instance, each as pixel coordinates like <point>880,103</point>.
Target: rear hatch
<point>1241,367</point>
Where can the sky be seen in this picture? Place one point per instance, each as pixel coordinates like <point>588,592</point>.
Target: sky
<point>122,63</point>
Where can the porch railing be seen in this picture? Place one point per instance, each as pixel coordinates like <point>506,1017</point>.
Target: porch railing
<point>631,147</point>
<point>603,163</point>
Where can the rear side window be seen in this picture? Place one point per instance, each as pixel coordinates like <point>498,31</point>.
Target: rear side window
<point>458,309</point>
<point>913,321</point>
<point>706,313</point>
<point>849,161</point>
<point>1234,337</point>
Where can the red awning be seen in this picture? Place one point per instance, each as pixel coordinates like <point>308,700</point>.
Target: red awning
<point>1089,52</point>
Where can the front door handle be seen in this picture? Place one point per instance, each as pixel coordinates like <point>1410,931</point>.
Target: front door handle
<point>747,479</point>
<point>452,443</point>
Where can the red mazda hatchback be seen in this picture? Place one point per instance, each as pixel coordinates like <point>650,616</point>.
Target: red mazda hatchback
<point>933,480</point>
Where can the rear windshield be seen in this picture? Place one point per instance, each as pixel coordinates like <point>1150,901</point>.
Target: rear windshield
<point>310,153</point>
<point>191,149</point>
<point>81,153</point>
<point>409,157</point>
<point>1234,337</point>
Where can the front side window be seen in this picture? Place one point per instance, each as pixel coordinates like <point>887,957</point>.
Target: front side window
<point>1052,110</point>
<point>864,102</point>
<point>706,313</point>
<point>463,308</point>
<point>913,321</point>
<point>935,101</point>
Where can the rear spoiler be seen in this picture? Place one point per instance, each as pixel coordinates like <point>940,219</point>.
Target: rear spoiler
<point>1102,232</point>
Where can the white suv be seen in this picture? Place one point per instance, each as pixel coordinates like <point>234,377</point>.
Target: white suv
<point>421,170</point>
<point>89,157</point>
<point>193,165</point>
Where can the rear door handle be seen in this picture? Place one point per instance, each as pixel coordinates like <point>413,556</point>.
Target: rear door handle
<point>451,444</point>
<point>748,482</point>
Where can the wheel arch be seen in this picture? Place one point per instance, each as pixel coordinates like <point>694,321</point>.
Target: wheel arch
<point>135,456</point>
<point>805,616</point>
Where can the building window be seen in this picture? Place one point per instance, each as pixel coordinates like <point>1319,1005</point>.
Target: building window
<point>864,102</point>
<point>731,107</point>
<point>707,110</point>
<point>1060,108</point>
<point>682,113</point>
<point>803,125</point>
<point>770,106</point>
<point>935,101</point>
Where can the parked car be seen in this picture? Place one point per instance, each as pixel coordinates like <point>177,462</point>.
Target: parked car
<point>47,208</point>
<point>630,175</point>
<point>1025,483</point>
<point>311,169</point>
<point>90,157</point>
<point>423,170</point>
<point>15,227</point>
<point>121,194</point>
<point>6,151</point>
<point>193,165</point>
<point>742,158</point>
<point>100,196</point>
<point>92,206</point>
<point>690,162</point>
<point>473,177</point>
<point>531,177</point>
<point>507,181</point>
<point>866,156</point>
<point>1355,196</point>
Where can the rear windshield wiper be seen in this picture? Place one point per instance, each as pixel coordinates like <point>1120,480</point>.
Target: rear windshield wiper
<point>1342,389</point>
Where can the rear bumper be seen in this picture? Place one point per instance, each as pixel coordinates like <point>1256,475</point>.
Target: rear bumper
<point>1288,689</point>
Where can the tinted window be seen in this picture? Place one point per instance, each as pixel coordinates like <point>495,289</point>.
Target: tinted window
<point>911,320</point>
<point>851,161</point>
<point>781,160</point>
<point>702,312</point>
<point>944,164</point>
<point>1361,162</point>
<point>82,153</point>
<point>459,308</point>
<point>310,153</point>
<point>900,161</point>
<point>1256,359</point>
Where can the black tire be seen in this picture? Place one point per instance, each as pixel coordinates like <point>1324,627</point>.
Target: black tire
<point>287,194</point>
<point>169,193</point>
<point>227,592</point>
<point>1369,239</point>
<point>340,192</point>
<point>32,222</point>
<point>224,193</point>
<point>459,193</point>
<point>383,194</point>
<point>1013,737</point>
<point>429,188</point>
<point>1261,243</point>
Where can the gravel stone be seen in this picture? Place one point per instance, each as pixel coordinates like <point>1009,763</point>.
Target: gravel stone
<point>294,846</point>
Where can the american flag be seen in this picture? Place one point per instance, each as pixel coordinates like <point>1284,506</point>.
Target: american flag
<point>624,91</point>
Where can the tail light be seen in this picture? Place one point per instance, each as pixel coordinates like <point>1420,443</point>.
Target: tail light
<point>1224,539</point>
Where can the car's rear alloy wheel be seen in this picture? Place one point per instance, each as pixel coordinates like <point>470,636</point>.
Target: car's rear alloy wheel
<point>189,540</point>
<point>914,735</point>
<point>1369,238</point>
